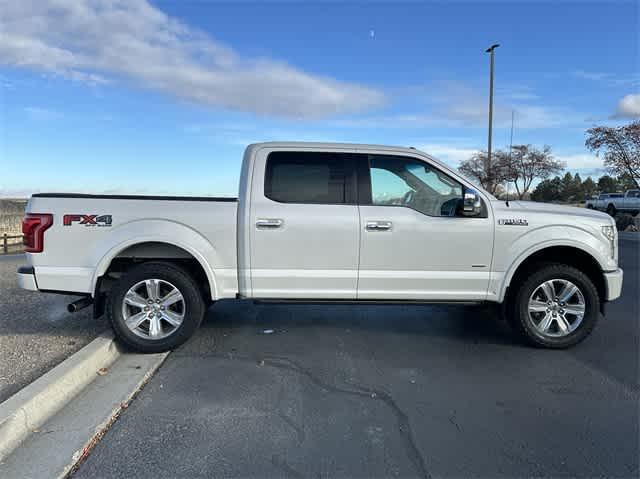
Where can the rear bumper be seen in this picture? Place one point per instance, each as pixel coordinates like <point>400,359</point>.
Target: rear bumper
<point>27,278</point>
<point>613,281</point>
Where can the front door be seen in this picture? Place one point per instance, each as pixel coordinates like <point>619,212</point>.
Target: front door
<point>414,243</point>
<point>304,226</point>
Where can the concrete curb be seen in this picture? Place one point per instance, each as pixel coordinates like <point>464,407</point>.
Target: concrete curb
<point>33,405</point>
<point>79,456</point>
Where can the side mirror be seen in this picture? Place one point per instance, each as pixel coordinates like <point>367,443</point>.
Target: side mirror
<point>471,204</point>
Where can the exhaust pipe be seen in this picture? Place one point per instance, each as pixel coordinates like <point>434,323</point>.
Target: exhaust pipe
<point>80,304</point>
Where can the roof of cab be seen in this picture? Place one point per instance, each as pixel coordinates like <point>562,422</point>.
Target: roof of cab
<point>322,145</point>
<point>342,146</point>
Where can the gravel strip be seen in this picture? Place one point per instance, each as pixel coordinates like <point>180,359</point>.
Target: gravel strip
<point>36,331</point>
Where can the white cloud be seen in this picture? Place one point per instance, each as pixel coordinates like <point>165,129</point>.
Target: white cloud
<point>455,105</point>
<point>580,161</point>
<point>461,105</point>
<point>98,41</point>
<point>451,155</point>
<point>628,107</point>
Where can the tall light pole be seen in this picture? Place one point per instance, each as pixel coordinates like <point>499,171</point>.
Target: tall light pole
<point>490,52</point>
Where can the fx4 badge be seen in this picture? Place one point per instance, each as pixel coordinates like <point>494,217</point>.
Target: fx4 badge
<point>87,220</point>
<point>513,222</point>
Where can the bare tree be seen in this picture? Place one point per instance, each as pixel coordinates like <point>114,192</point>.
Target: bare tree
<point>620,147</point>
<point>477,168</point>
<point>528,163</point>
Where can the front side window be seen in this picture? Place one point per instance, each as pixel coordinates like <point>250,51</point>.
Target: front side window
<point>308,177</point>
<point>397,181</point>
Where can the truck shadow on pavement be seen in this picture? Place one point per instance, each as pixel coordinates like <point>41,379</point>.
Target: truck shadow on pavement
<point>469,323</point>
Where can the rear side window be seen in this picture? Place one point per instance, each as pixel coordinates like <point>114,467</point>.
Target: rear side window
<point>309,177</point>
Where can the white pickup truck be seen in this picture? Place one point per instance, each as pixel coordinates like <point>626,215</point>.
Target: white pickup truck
<point>602,201</point>
<point>615,202</point>
<point>322,221</point>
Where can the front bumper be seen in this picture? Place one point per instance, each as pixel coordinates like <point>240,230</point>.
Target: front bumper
<point>613,282</point>
<point>27,278</point>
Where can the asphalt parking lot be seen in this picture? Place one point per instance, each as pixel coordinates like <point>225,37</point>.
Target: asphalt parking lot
<point>384,391</point>
<point>36,331</point>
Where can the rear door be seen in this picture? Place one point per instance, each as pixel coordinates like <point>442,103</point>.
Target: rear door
<point>304,224</point>
<point>414,243</point>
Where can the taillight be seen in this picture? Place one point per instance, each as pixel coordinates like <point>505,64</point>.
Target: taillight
<point>33,227</point>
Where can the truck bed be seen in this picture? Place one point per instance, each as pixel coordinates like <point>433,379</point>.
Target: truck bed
<point>89,230</point>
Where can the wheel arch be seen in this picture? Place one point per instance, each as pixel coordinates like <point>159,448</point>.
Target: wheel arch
<point>562,254</point>
<point>155,240</point>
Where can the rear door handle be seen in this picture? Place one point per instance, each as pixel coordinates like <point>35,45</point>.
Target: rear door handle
<point>269,223</point>
<point>378,225</point>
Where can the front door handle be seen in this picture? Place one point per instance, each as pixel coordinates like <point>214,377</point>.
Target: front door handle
<point>378,225</point>
<point>269,223</point>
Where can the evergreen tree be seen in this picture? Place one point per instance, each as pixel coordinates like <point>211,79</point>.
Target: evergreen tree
<point>566,191</point>
<point>589,188</point>
<point>548,190</point>
<point>577,189</point>
<point>607,184</point>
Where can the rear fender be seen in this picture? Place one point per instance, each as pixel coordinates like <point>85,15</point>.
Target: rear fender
<point>162,231</point>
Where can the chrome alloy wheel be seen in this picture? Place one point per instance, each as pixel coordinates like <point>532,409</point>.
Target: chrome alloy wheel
<point>556,308</point>
<point>153,309</point>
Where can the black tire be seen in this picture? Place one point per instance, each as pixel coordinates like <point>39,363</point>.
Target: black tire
<point>611,211</point>
<point>193,304</point>
<point>518,308</point>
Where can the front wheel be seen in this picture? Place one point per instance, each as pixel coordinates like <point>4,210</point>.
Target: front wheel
<point>555,307</point>
<point>155,307</point>
<point>611,210</point>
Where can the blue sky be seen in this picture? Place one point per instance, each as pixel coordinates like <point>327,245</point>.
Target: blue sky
<point>163,96</point>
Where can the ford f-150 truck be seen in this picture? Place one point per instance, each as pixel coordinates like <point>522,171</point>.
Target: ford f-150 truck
<point>321,221</point>
<point>602,201</point>
<point>612,203</point>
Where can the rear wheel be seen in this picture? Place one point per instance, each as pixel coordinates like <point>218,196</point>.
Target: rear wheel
<point>611,210</point>
<point>555,307</point>
<point>155,307</point>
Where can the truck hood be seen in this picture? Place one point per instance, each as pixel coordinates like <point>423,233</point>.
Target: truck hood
<point>547,208</point>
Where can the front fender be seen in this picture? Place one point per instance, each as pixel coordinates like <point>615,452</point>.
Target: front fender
<point>155,230</point>
<point>541,238</point>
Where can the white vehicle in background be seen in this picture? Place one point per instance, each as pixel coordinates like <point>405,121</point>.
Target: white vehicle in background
<point>629,203</point>
<point>613,203</point>
<point>324,221</point>
<point>601,201</point>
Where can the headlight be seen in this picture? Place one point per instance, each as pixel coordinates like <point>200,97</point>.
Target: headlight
<point>609,232</point>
